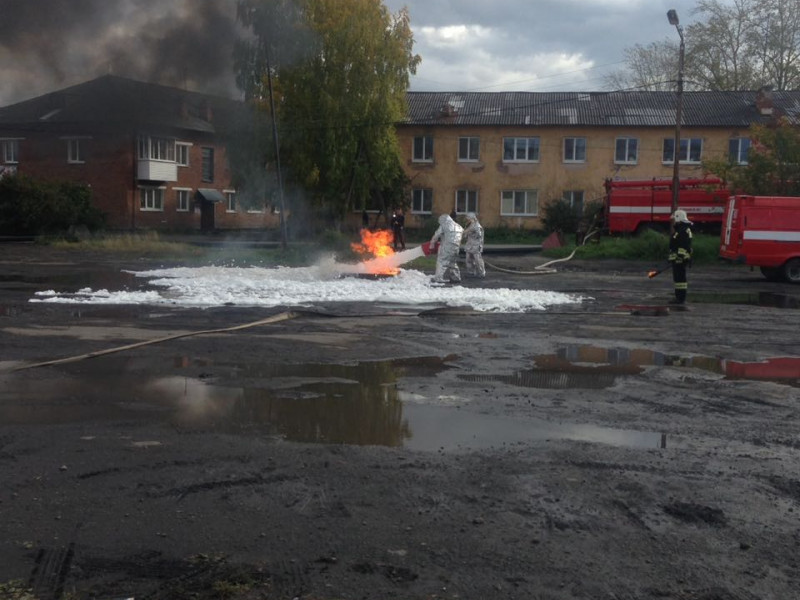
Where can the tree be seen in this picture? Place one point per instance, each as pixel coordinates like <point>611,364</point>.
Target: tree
<point>777,41</point>
<point>648,68</point>
<point>340,70</point>
<point>773,163</point>
<point>734,45</point>
<point>720,53</point>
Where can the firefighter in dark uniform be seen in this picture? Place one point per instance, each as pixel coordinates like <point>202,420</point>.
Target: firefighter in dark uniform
<point>680,254</point>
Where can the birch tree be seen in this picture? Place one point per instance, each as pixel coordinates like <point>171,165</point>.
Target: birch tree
<point>340,72</point>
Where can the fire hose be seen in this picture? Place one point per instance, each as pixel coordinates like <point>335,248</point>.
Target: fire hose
<point>284,316</point>
<point>545,268</point>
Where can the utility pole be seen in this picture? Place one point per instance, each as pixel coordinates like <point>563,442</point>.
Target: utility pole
<point>672,16</point>
<point>284,235</point>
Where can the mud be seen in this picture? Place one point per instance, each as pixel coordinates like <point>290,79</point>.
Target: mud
<point>593,451</point>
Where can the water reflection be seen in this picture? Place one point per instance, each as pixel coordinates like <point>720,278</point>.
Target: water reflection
<point>357,404</point>
<point>627,361</point>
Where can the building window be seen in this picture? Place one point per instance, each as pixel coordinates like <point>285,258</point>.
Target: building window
<point>182,154</point>
<point>469,148</point>
<point>518,203</point>
<point>422,201</point>
<point>691,150</point>
<point>575,149</point>
<point>423,148</point>
<point>208,165</point>
<point>231,199</point>
<point>523,149</point>
<point>575,200</point>
<point>182,200</point>
<point>156,148</point>
<point>75,151</point>
<point>10,151</point>
<point>626,151</point>
<point>151,199</point>
<point>738,150</point>
<point>466,201</point>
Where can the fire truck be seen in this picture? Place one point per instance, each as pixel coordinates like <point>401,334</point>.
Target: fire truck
<point>764,232</point>
<point>632,206</point>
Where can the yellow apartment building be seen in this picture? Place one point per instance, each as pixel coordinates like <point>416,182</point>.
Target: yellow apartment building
<point>506,155</point>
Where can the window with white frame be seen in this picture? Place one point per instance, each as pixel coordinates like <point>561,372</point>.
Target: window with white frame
<point>575,149</point>
<point>520,149</point>
<point>182,200</point>
<point>151,199</point>
<point>519,203</point>
<point>423,148</point>
<point>422,201</point>
<point>626,151</point>
<point>230,197</point>
<point>466,201</point>
<point>469,149</point>
<point>182,154</point>
<point>75,151</point>
<point>738,150</point>
<point>691,150</point>
<point>575,200</point>
<point>156,148</point>
<point>10,153</point>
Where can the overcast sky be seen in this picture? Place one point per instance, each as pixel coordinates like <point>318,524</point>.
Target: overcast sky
<point>465,45</point>
<point>531,45</point>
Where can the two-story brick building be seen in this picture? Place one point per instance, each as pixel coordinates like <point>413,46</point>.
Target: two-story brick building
<point>506,155</point>
<point>154,156</point>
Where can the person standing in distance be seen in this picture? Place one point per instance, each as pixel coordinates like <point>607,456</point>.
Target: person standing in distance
<point>473,246</point>
<point>399,229</point>
<point>680,254</point>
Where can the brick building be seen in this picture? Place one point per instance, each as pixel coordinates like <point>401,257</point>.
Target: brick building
<point>505,155</point>
<point>154,156</point>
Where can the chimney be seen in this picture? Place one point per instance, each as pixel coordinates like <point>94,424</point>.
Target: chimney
<point>448,110</point>
<point>764,102</point>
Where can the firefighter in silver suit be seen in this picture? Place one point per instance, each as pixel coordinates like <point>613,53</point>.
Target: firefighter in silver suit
<point>449,236</point>
<point>473,246</point>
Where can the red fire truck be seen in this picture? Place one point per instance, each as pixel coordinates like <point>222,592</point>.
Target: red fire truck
<point>763,231</point>
<point>631,206</point>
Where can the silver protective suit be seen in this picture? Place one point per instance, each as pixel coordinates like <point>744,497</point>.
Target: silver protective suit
<point>473,246</point>
<point>449,237</point>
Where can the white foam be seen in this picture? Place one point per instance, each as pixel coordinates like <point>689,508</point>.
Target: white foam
<point>290,286</point>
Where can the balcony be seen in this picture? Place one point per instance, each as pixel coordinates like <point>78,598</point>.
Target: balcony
<point>157,170</point>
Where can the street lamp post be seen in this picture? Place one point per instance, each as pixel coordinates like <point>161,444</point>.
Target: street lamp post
<point>672,16</point>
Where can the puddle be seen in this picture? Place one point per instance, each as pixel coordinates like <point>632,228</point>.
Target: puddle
<point>355,404</point>
<point>768,299</point>
<point>595,367</point>
<point>568,369</point>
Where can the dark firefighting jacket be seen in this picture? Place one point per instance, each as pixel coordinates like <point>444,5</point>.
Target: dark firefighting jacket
<point>680,244</point>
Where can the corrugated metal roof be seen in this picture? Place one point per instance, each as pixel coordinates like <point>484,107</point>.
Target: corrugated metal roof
<point>596,109</point>
<point>111,101</point>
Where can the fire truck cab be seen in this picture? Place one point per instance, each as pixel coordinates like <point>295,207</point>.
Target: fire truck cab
<point>631,206</point>
<point>763,231</point>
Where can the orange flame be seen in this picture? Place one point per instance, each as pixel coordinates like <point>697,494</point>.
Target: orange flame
<point>377,244</point>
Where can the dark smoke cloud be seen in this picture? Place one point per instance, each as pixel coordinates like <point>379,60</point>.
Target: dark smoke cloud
<point>50,44</point>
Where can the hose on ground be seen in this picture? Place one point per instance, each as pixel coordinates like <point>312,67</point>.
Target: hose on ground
<point>545,268</point>
<point>273,319</point>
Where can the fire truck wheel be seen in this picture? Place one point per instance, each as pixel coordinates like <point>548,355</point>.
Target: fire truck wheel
<point>791,270</point>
